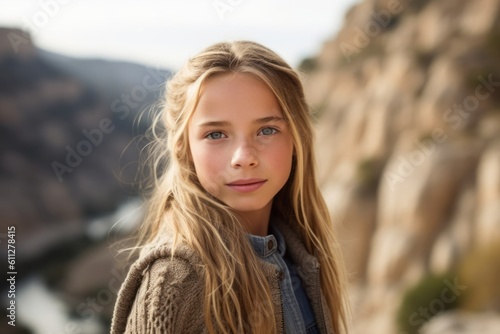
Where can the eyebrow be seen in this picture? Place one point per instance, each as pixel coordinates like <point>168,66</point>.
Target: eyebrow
<point>262,120</point>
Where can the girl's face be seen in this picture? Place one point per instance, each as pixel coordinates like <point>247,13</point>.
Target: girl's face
<point>240,144</point>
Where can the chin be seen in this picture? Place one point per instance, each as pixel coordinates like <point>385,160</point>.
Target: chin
<point>246,208</point>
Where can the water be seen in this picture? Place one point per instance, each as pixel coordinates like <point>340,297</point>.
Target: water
<point>42,311</point>
<point>122,221</point>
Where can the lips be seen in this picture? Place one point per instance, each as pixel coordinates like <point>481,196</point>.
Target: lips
<point>246,185</point>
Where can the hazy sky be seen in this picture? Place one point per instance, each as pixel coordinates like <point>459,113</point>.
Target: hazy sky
<point>165,32</point>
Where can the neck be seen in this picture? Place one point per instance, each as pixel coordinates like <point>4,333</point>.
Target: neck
<point>257,222</point>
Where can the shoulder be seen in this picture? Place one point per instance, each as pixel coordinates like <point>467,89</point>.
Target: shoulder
<point>161,293</point>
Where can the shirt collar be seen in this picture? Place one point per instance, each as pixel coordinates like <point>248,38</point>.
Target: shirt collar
<point>269,244</point>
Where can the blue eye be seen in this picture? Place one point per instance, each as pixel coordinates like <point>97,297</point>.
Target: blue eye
<point>214,135</point>
<point>268,131</point>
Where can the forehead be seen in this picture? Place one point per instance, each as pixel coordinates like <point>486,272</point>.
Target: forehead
<point>236,94</point>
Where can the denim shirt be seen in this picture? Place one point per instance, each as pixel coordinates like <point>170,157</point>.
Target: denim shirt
<point>297,311</point>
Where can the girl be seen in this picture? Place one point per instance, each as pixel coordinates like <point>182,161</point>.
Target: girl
<point>237,237</point>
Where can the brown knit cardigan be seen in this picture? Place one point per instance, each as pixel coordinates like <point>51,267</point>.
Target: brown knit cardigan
<point>165,295</point>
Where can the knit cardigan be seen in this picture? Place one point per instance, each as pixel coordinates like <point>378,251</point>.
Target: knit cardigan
<point>162,294</point>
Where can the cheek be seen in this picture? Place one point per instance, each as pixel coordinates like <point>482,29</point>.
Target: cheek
<point>282,159</point>
<point>201,161</point>
<point>209,168</point>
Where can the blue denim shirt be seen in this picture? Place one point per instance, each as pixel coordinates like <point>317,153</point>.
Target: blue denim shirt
<point>297,311</point>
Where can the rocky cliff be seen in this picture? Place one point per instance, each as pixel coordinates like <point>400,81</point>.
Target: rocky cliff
<point>407,101</point>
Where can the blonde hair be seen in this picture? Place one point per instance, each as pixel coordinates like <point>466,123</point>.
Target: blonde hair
<point>236,289</point>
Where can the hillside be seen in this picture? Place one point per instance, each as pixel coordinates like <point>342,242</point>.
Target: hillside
<point>70,140</point>
<point>407,101</point>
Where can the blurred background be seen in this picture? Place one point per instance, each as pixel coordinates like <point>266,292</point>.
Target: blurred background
<point>406,101</point>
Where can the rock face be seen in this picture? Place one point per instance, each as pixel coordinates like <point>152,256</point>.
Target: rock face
<point>456,323</point>
<point>407,97</point>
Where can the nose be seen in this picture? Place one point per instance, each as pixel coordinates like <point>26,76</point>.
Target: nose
<point>244,156</point>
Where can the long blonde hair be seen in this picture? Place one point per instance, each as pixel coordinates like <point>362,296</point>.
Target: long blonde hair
<point>235,285</point>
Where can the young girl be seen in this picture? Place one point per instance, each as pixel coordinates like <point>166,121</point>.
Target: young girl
<point>237,237</point>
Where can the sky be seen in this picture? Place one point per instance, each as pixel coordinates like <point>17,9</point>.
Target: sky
<point>164,33</point>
